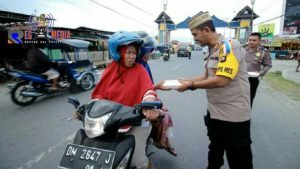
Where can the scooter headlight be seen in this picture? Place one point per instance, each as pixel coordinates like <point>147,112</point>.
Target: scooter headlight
<point>124,162</point>
<point>94,127</point>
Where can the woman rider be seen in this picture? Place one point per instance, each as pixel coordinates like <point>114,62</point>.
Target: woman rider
<point>128,83</point>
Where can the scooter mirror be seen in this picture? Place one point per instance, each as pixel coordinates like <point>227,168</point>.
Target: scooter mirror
<point>74,101</point>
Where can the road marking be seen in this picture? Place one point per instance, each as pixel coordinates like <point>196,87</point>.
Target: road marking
<point>176,67</point>
<point>31,163</point>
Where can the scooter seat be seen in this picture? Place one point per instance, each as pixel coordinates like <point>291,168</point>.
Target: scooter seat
<point>31,74</point>
<point>35,74</point>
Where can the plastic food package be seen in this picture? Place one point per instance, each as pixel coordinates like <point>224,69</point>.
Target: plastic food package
<point>172,84</point>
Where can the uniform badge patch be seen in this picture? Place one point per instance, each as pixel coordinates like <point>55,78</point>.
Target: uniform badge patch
<point>223,59</point>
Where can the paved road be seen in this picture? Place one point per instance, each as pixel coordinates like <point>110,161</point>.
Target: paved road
<point>35,137</point>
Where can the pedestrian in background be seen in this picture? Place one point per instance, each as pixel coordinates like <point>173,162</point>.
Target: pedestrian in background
<point>258,61</point>
<point>298,58</point>
<point>190,51</point>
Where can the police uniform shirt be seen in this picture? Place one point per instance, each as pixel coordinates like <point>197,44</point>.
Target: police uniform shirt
<point>258,60</point>
<point>230,103</point>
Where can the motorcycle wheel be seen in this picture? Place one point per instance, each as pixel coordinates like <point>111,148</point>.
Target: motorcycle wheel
<point>87,82</point>
<point>18,98</point>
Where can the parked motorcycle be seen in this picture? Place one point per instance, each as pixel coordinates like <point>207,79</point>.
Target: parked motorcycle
<point>100,145</point>
<point>31,86</point>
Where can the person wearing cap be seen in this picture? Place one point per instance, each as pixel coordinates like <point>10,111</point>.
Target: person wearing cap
<point>258,60</point>
<point>228,94</point>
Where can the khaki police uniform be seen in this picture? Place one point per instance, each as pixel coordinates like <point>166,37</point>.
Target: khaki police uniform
<point>259,61</point>
<point>228,114</point>
<point>228,119</point>
<point>230,103</point>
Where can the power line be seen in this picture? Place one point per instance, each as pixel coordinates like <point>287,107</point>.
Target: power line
<point>286,14</point>
<point>268,6</point>
<point>82,8</point>
<point>144,11</point>
<point>106,7</point>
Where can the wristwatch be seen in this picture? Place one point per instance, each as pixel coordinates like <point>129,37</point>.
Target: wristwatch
<point>191,87</point>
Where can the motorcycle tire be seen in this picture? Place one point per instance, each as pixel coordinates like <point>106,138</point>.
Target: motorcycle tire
<point>86,82</point>
<point>16,96</point>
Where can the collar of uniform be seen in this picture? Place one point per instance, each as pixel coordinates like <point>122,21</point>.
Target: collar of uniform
<point>253,51</point>
<point>218,45</point>
<point>220,38</point>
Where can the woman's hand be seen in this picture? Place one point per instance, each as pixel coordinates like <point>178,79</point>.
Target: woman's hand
<point>160,86</point>
<point>152,114</point>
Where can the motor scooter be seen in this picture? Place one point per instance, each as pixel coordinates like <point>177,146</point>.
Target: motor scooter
<point>101,144</point>
<point>166,55</point>
<point>31,86</point>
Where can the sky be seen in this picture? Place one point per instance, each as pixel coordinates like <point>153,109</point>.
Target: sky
<point>115,15</point>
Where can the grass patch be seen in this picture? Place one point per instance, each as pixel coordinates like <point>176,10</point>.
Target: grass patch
<point>289,88</point>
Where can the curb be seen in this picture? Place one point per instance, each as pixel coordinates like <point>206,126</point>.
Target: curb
<point>288,76</point>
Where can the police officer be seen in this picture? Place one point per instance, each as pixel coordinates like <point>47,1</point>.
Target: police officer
<point>228,95</point>
<point>258,61</point>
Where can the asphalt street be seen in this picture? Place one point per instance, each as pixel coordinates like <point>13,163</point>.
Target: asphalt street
<point>35,136</point>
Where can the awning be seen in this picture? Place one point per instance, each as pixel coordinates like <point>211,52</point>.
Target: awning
<point>67,43</point>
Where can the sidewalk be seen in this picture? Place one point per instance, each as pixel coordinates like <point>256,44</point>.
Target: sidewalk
<point>288,69</point>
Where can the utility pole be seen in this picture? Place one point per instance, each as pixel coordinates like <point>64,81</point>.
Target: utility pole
<point>164,33</point>
<point>251,23</point>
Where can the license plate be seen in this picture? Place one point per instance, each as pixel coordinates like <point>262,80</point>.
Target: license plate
<point>83,157</point>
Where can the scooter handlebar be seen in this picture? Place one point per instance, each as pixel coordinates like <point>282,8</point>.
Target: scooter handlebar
<point>151,105</point>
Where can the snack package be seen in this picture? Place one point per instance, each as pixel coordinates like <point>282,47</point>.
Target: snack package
<point>173,84</point>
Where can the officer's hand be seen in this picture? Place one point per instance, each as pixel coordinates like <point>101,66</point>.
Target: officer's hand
<point>183,79</point>
<point>185,85</point>
<point>160,86</point>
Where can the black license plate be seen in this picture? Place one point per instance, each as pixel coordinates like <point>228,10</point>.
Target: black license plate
<point>83,157</point>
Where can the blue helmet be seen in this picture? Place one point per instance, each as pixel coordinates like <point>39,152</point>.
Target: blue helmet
<point>119,39</point>
<point>148,43</point>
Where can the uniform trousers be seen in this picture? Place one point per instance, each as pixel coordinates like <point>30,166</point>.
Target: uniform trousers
<point>232,138</point>
<point>253,87</point>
